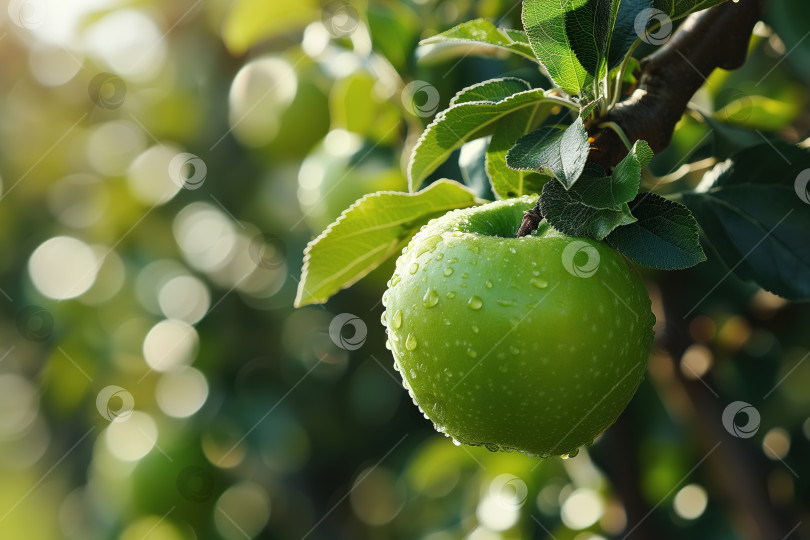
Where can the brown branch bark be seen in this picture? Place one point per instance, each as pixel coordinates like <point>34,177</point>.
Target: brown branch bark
<point>715,38</point>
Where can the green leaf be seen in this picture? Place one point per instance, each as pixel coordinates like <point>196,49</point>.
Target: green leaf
<point>624,31</point>
<point>556,152</point>
<point>473,114</point>
<point>665,235</point>
<point>589,28</point>
<point>587,209</point>
<point>627,174</point>
<point>506,182</point>
<point>368,232</point>
<point>754,210</point>
<point>545,25</point>
<point>480,36</point>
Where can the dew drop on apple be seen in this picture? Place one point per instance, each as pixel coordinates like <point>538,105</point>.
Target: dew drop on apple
<point>410,342</point>
<point>538,283</point>
<point>448,271</point>
<point>431,298</point>
<point>413,373</point>
<point>439,256</point>
<point>457,443</point>
<point>573,453</point>
<point>514,350</point>
<point>451,294</point>
<point>382,318</point>
<point>492,447</point>
<point>505,303</point>
<point>475,329</point>
<point>489,284</point>
<point>475,303</point>
<point>396,320</point>
<point>414,267</point>
<point>471,353</point>
<point>465,275</point>
<point>394,280</point>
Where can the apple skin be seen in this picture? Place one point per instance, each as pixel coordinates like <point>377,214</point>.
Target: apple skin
<point>499,344</point>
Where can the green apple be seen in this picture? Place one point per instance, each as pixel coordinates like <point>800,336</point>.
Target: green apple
<point>534,344</point>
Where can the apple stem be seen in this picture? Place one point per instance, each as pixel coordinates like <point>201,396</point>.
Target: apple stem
<point>531,220</point>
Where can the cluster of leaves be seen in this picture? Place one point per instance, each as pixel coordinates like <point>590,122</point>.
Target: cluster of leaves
<point>584,47</point>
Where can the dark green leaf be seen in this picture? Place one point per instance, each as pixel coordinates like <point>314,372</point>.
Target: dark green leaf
<point>589,28</point>
<point>624,31</point>
<point>665,235</point>
<point>368,232</point>
<point>552,151</point>
<point>587,209</point>
<point>754,210</point>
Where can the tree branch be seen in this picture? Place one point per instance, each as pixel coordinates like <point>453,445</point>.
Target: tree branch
<point>715,38</point>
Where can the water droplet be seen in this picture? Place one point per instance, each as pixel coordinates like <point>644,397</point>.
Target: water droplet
<point>396,320</point>
<point>463,285</point>
<point>413,374</point>
<point>505,303</point>
<point>456,442</point>
<point>429,245</point>
<point>514,350</point>
<point>544,456</point>
<point>471,353</point>
<point>431,298</point>
<point>503,368</point>
<point>451,295</point>
<point>410,342</point>
<point>573,453</point>
<point>535,273</point>
<point>394,280</point>
<point>539,283</point>
<point>452,260</point>
<point>475,303</point>
<point>382,318</point>
<point>465,275</point>
<point>448,271</point>
<point>489,284</point>
<point>388,344</point>
<point>475,329</point>
<point>414,267</point>
<point>492,447</point>
<point>439,256</point>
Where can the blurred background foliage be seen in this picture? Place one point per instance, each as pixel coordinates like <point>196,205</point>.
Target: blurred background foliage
<point>163,166</point>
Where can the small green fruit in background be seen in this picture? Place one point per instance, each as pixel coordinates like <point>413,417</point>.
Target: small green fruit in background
<point>533,344</point>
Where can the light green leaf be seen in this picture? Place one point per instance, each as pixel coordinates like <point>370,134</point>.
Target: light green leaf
<point>368,232</point>
<point>506,182</point>
<point>478,35</point>
<point>556,152</point>
<point>664,237</point>
<point>473,114</point>
<point>544,22</point>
